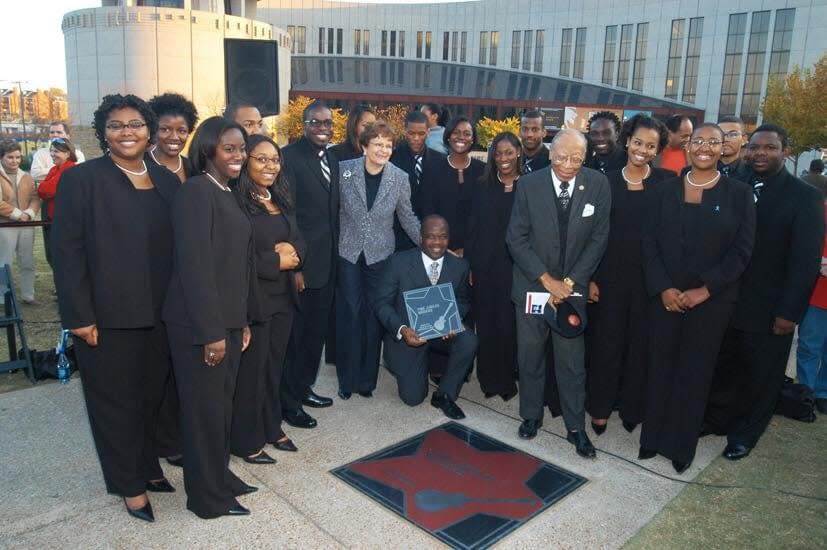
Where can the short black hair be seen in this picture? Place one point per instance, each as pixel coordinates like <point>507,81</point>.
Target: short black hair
<point>433,217</point>
<point>315,105</point>
<point>817,165</point>
<point>673,123</point>
<point>534,113</point>
<point>453,126</point>
<point>113,102</point>
<point>712,125</point>
<point>732,119</point>
<point>605,115</point>
<point>416,117</point>
<point>172,104</point>
<point>781,132</point>
<point>232,109</point>
<point>643,121</point>
<point>205,141</point>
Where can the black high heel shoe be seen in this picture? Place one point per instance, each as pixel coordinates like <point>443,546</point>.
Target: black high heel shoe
<point>629,426</point>
<point>161,486</point>
<point>679,466</point>
<point>646,454</point>
<point>260,458</point>
<point>599,428</point>
<point>286,445</point>
<point>144,513</point>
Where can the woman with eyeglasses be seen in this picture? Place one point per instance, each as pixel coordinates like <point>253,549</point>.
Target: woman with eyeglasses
<point>207,313</point>
<point>112,253</point>
<point>617,331</point>
<point>177,117</point>
<point>697,243</point>
<point>372,190</point>
<point>264,192</point>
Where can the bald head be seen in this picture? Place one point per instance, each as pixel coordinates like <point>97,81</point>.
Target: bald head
<point>567,153</point>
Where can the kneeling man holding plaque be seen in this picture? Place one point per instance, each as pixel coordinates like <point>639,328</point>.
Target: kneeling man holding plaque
<point>422,298</point>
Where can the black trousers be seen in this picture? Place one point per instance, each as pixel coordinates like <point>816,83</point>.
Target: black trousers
<point>206,395</point>
<point>410,365</point>
<point>168,434</point>
<point>123,382</point>
<point>682,356</point>
<point>617,345</point>
<point>304,352</point>
<point>358,331</point>
<point>497,331</point>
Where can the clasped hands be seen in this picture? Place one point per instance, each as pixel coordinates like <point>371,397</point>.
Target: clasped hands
<point>288,257</point>
<point>558,290</point>
<point>414,340</point>
<point>678,302</point>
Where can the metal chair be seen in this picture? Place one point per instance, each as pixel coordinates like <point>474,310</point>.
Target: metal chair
<point>10,320</point>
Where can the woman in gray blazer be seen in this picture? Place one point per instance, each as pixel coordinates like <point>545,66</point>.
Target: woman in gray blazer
<point>371,191</point>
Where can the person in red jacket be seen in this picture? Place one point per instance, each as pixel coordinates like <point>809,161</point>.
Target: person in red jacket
<point>63,154</point>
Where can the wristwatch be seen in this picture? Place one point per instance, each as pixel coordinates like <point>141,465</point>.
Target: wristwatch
<point>569,282</point>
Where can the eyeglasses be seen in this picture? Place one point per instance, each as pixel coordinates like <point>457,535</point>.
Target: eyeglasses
<point>735,134</point>
<point>560,161</point>
<point>313,123</point>
<point>380,145</point>
<point>118,126</point>
<point>275,161</point>
<point>698,142</point>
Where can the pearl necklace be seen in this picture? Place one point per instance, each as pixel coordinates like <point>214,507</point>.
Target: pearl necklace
<point>693,184</point>
<point>263,197</point>
<point>630,182</point>
<point>180,162</point>
<point>507,186</point>
<point>141,173</point>
<point>215,181</point>
<point>460,169</point>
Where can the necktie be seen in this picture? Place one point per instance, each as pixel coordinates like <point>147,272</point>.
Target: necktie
<point>527,166</point>
<point>564,196</point>
<point>418,168</point>
<point>434,274</point>
<point>757,188</point>
<point>325,166</point>
<point>726,169</point>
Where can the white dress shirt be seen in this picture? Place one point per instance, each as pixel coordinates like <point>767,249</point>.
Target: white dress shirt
<point>426,261</point>
<point>556,181</point>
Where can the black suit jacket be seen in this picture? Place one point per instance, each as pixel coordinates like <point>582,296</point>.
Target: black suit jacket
<point>786,258</point>
<point>403,158</point>
<point>317,209</point>
<point>99,244</point>
<point>275,289</point>
<point>405,271</point>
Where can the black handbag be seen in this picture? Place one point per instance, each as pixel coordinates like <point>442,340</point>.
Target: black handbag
<point>796,401</point>
<point>44,363</point>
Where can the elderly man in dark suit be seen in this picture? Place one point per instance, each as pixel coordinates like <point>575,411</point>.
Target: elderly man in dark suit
<point>557,235</point>
<point>314,182</point>
<point>406,353</point>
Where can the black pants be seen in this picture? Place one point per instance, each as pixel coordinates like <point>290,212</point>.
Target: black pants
<point>304,351</point>
<point>358,331</point>
<point>123,381</point>
<point>47,231</point>
<point>616,341</point>
<point>682,356</point>
<point>497,332</point>
<point>410,365</point>
<point>206,395</point>
<point>168,434</point>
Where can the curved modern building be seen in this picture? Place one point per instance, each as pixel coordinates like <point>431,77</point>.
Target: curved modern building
<point>704,57</point>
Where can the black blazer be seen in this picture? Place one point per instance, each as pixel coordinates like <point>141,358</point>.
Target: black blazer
<point>99,245</point>
<point>443,195</point>
<point>787,256</point>
<point>272,282</point>
<point>317,209</point>
<point>346,151</point>
<point>404,159</point>
<point>405,271</point>
<point>725,239</point>
<point>487,225</point>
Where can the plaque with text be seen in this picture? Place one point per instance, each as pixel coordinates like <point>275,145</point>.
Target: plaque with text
<point>433,311</point>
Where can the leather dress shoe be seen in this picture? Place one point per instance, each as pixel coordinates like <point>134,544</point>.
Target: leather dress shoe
<point>366,393</point>
<point>735,451</point>
<point>316,401</point>
<point>646,454</point>
<point>679,466</point>
<point>581,443</point>
<point>244,489</point>
<point>176,461</point>
<point>299,419</point>
<point>344,395</point>
<point>260,458</point>
<point>447,406</point>
<point>144,513</point>
<point>629,426</point>
<point>161,486</point>
<point>821,404</point>
<point>598,428</point>
<point>238,510</point>
<point>507,396</point>
<point>528,429</point>
<point>488,394</point>
<point>286,445</point>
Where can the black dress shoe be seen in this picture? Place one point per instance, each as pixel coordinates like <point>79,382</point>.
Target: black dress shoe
<point>244,489</point>
<point>528,429</point>
<point>176,460</point>
<point>629,426</point>
<point>299,419</point>
<point>435,378</point>
<point>316,401</point>
<point>144,513</point>
<point>598,428</point>
<point>286,445</point>
<point>646,454</point>
<point>162,486</point>
<point>366,393</point>
<point>679,466</point>
<point>260,458</point>
<point>507,396</point>
<point>735,451</point>
<point>344,395</point>
<point>821,405</point>
<point>582,443</point>
<point>238,510</point>
<point>488,394</point>
<point>447,406</point>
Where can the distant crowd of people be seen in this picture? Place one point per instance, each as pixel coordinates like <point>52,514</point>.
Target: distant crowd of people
<point>672,263</point>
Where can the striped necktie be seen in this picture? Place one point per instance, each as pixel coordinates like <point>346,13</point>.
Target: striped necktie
<point>757,188</point>
<point>434,274</point>
<point>325,166</point>
<point>418,168</point>
<point>564,196</point>
<point>527,165</point>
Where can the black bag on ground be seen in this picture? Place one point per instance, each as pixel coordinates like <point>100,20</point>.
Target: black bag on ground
<point>796,401</point>
<point>44,363</point>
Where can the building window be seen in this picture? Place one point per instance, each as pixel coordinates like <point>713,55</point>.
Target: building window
<point>540,38</point>
<point>428,45</point>
<point>339,40</point>
<point>495,44</point>
<point>528,44</point>
<point>640,56</point>
<point>393,44</point>
<point>463,46</point>
<point>419,44</point>
<point>454,45</point>
<point>330,41</point>
<point>384,45</point>
<point>483,47</point>
<point>321,40</point>
<point>732,64</point>
<point>782,37</point>
<point>515,50</point>
<point>365,42</point>
<point>609,54</point>
<point>693,55</point>
<point>626,32</point>
<point>756,53</point>
<point>291,30</point>
<point>673,66</point>
<point>301,36</point>
<point>446,39</point>
<point>565,53</point>
<point>401,43</point>
<point>579,52</point>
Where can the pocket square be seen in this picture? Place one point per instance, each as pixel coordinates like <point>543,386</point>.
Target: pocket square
<point>588,210</point>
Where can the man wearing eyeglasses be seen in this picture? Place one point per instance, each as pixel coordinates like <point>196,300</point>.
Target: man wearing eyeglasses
<point>313,173</point>
<point>731,164</point>
<point>42,161</point>
<point>558,232</point>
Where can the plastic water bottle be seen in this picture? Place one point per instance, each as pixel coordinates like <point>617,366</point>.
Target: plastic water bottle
<point>63,365</point>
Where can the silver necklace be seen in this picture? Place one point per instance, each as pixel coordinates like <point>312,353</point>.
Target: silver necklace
<point>460,169</point>
<point>141,173</point>
<point>693,184</point>
<point>506,186</point>
<point>215,181</point>
<point>264,197</point>
<point>630,182</point>
<point>180,162</point>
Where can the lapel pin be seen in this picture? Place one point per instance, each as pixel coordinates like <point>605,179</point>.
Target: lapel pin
<point>581,187</point>
<point>717,208</point>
